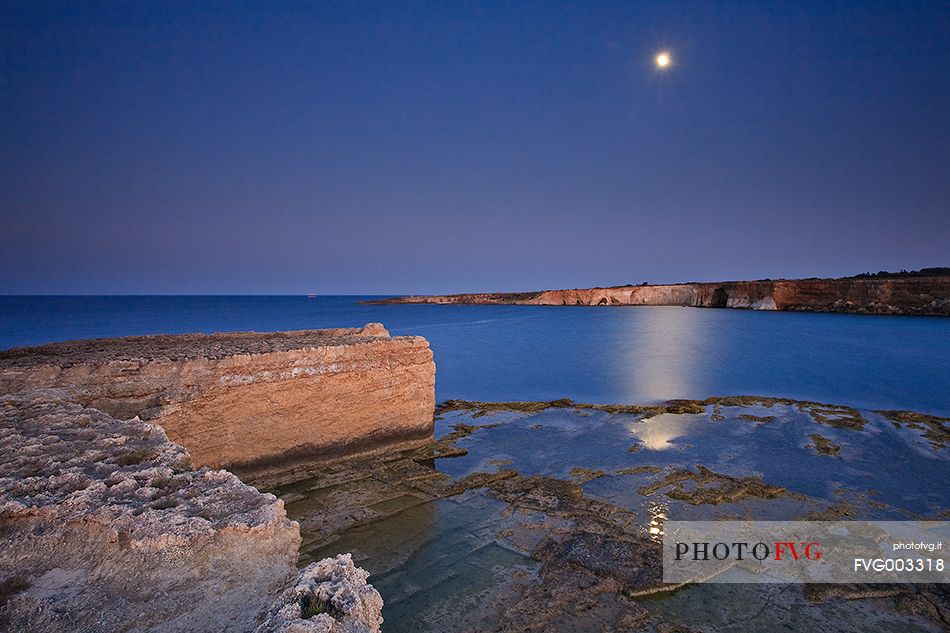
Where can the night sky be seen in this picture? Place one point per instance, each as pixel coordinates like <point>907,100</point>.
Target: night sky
<point>365,148</point>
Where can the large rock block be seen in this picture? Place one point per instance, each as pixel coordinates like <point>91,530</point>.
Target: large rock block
<point>247,399</point>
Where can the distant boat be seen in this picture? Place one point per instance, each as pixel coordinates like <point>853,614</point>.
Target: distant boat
<point>311,296</point>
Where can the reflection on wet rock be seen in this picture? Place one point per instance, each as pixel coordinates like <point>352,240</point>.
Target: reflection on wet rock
<point>935,429</point>
<point>706,486</point>
<point>541,516</point>
<point>823,445</point>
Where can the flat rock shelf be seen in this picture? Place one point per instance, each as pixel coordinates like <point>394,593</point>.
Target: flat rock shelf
<point>547,516</point>
<point>247,398</point>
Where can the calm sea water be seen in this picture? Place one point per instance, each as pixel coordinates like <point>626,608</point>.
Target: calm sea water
<point>632,354</point>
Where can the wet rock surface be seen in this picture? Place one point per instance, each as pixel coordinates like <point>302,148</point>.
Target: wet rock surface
<point>935,429</point>
<point>707,487</point>
<point>536,517</point>
<point>838,416</point>
<point>824,446</point>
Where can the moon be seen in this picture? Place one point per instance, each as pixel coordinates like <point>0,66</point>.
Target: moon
<point>663,60</point>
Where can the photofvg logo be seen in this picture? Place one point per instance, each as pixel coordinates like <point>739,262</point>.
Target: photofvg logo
<point>739,550</point>
<point>806,551</point>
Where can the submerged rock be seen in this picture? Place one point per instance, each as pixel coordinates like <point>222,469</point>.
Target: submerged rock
<point>935,429</point>
<point>543,520</point>
<point>583,475</point>
<point>824,446</point>
<point>707,487</point>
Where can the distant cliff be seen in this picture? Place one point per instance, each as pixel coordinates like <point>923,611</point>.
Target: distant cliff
<point>922,295</point>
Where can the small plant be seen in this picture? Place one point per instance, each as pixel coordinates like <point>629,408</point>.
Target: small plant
<point>312,606</point>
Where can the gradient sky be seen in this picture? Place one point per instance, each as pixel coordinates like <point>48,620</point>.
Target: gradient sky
<point>363,148</point>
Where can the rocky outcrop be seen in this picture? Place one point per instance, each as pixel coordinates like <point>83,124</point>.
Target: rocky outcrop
<point>911,295</point>
<point>331,596</point>
<point>107,527</point>
<point>246,399</point>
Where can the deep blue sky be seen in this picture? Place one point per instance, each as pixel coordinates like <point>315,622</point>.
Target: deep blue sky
<point>457,146</point>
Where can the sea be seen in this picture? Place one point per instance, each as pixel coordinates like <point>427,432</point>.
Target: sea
<point>636,355</point>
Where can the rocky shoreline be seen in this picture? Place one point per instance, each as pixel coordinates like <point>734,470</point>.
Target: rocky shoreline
<point>115,514</point>
<point>922,295</point>
<point>107,527</point>
<point>541,516</point>
<point>109,522</point>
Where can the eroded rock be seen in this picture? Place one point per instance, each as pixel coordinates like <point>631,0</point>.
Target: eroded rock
<point>107,527</point>
<point>106,524</point>
<point>331,596</point>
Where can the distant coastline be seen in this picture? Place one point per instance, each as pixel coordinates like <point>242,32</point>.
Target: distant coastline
<point>923,293</point>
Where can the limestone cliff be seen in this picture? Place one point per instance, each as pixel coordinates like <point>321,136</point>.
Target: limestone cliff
<point>241,399</point>
<point>912,295</point>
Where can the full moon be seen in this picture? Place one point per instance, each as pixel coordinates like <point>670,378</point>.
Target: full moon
<point>663,60</point>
